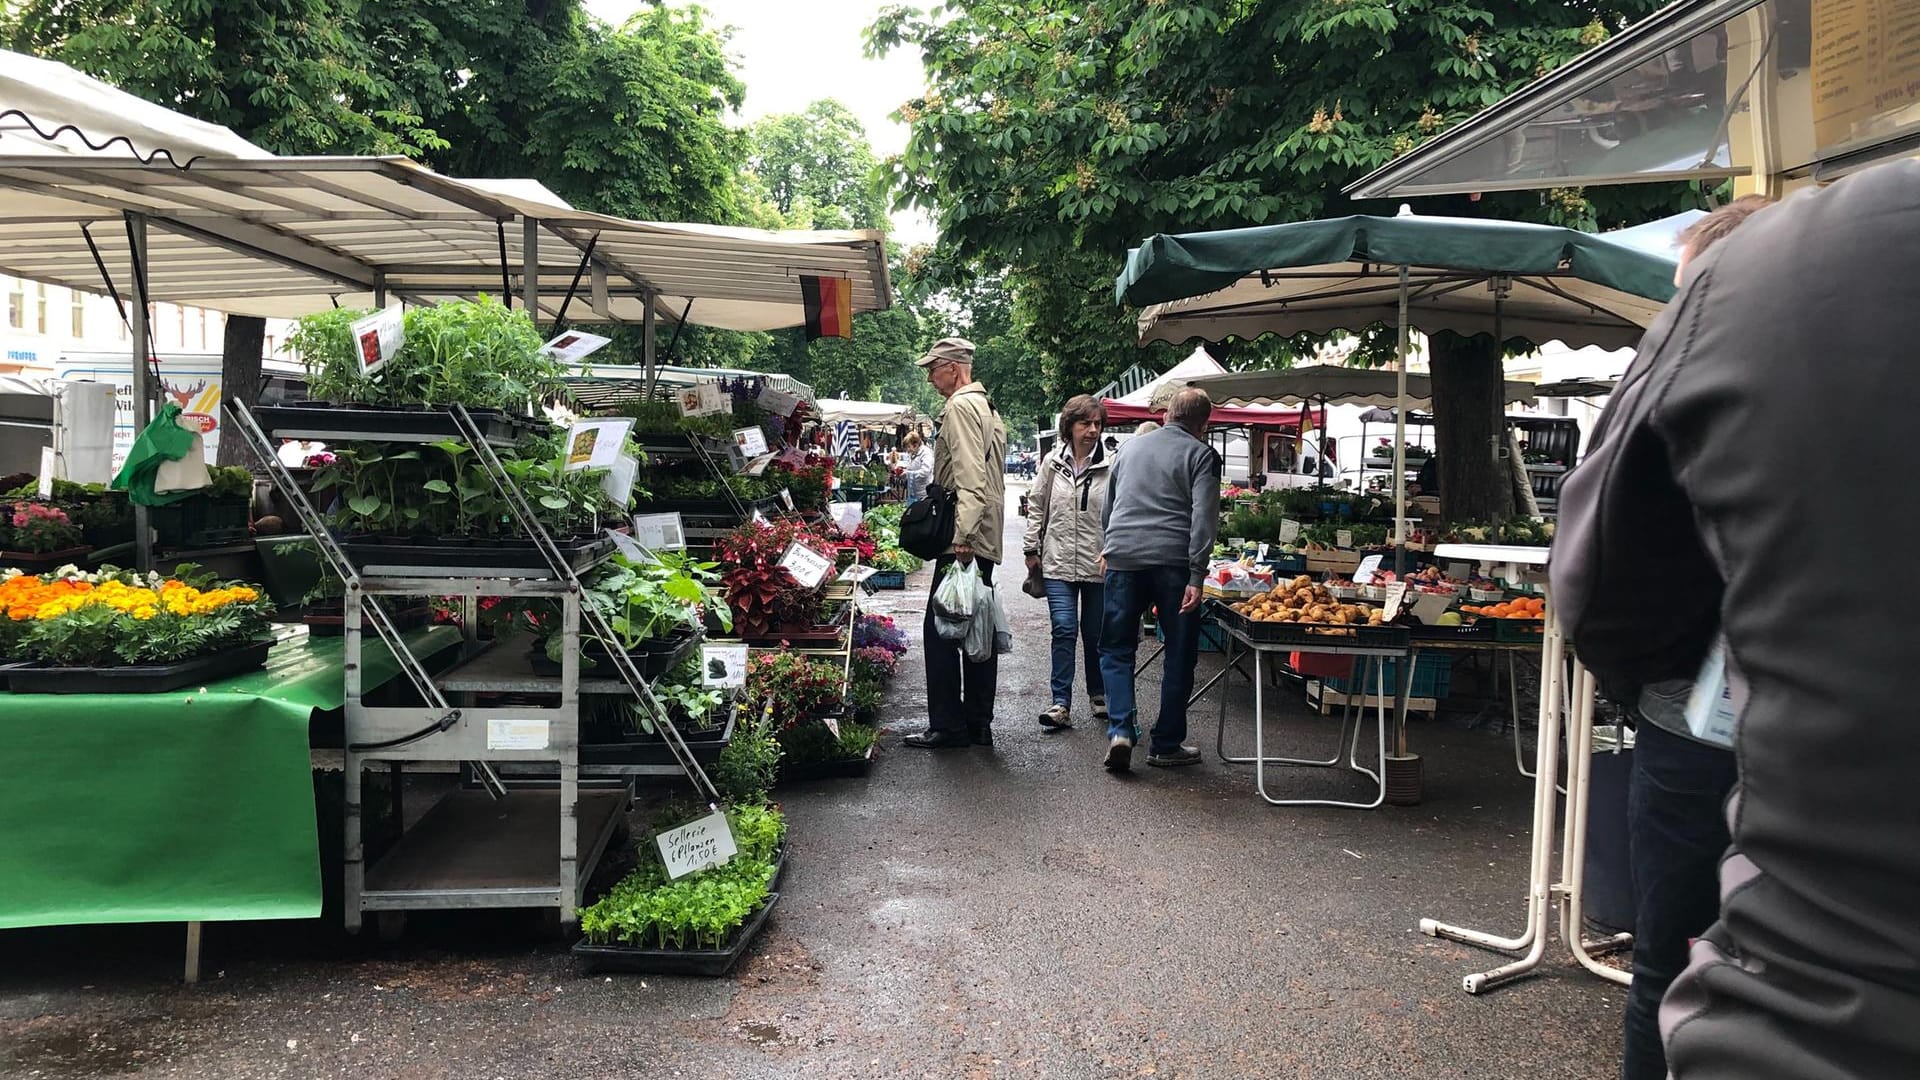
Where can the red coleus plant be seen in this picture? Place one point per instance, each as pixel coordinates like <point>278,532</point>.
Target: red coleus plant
<point>761,592</point>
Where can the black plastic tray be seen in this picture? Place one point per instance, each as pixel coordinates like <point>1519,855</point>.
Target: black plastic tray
<point>155,679</point>
<point>1305,636</point>
<point>705,746</point>
<point>476,560</point>
<point>694,508</point>
<point>709,962</point>
<point>844,769</point>
<point>362,423</point>
<point>652,662</point>
<point>1481,631</point>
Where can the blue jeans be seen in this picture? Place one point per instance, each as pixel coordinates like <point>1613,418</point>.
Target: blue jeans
<point>1677,829</point>
<point>1128,595</point>
<point>1074,608</point>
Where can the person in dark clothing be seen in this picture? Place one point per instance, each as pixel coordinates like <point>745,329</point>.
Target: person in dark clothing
<point>1691,520</point>
<point>1676,831</point>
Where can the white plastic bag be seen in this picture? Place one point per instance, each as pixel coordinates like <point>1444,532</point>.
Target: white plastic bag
<point>978,646</point>
<point>954,599</point>
<point>1002,630</point>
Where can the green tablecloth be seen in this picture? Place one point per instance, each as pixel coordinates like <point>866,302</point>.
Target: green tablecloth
<point>190,805</point>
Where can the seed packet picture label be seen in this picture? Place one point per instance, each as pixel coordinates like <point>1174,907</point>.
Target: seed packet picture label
<point>580,449</point>
<point>575,346</point>
<point>596,444</point>
<point>379,337</point>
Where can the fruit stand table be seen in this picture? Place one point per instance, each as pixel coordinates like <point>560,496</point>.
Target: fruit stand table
<point>173,807</point>
<point>1372,657</point>
<point>1564,684</point>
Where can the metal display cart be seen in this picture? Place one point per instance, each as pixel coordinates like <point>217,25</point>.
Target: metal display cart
<point>492,847</point>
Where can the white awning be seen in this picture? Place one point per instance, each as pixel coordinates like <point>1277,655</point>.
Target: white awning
<point>603,386</point>
<point>834,410</point>
<point>47,107</point>
<point>289,236</point>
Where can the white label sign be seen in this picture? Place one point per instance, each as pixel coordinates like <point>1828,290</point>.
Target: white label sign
<point>1289,530</point>
<point>758,517</point>
<point>1430,606</point>
<point>574,346</point>
<point>857,574</point>
<point>660,531</point>
<point>628,548</point>
<point>723,665</point>
<point>1396,595</point>
<point>378,337</point>
<point>45,487</point>
<point>751,440</point>
<point>596,444</point>
<point>1262,556</point>
<point>1369,566</point>
<point>846,516</point>
<point>505,734</point>
<point>618,481</point>
<point>833,726</point>
<point>786,497</point>
<point>807,566</point>
<point>777,402</point>
<point>1343,538</point>
<point>699,844</point>
<point>701,399</point>
<point>758,465</point>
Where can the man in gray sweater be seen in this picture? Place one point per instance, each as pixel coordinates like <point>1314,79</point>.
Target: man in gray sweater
<point>1163,510</point>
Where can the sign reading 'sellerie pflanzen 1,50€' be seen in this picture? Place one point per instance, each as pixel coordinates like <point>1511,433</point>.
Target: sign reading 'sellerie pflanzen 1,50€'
<point>697,845</point>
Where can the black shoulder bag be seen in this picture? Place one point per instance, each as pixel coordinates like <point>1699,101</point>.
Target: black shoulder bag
<point>926,529</point>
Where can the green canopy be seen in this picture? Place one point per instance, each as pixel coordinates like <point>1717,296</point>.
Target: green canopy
<point>1537,281</point>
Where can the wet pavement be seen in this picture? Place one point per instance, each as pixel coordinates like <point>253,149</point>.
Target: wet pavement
<point>975,913</point>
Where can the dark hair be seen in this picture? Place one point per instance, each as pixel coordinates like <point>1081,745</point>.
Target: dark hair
<point>1078,408</point>
<point>1717,226</point>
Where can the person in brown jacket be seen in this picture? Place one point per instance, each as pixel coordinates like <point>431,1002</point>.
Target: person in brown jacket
<point>969,449</point>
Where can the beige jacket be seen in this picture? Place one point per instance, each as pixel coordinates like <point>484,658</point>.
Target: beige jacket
<point>970,460</point>
<point>1065,514</point>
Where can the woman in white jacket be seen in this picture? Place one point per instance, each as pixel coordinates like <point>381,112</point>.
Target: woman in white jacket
<point>1063,542</point>
<point>918,461</point>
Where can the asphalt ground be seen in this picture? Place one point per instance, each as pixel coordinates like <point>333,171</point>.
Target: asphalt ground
<point>976,913</point>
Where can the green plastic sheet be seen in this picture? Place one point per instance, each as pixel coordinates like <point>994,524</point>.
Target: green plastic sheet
<point>190,805</point>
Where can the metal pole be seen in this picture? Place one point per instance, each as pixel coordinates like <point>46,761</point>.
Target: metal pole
<point>1400,440</point>
<point>142,387</point>
<point>646,343</point>
<point>530,267</point>
<point>379,289</point>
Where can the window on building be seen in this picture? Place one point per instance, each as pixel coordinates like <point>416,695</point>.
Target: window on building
<point>16,304</point>
<point>79,314</point>
<point>267,345</point>
<point>39,308</point>
<point>200,319</point>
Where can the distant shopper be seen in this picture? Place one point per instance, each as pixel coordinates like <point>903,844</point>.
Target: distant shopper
<point>1686,525</point>
<point>1146,427</point>
<point>918,461</point>
<point>1163,511</point>
<point>968,449</point>
<point>1065,523</point>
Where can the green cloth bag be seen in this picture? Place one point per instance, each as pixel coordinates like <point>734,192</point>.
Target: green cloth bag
<point>163,440</point>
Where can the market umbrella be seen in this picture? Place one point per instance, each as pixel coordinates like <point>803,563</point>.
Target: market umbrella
<point>1466,275</point>
<point>1324,383</point>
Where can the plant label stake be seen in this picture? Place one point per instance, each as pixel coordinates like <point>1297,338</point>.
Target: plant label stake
<point>1289,530</point>
<point>807,566</point>
<point>1343,539</point>
<point>724,666</point>
<point>786,497</point>
<point>661,532</point>
<point>45,487</point>
<point>574,346</point>
<point>1396,595</point>
<point>846,517</point>
<point>777,402</point>
<point>1262,555</point>
<point>596,444</point>
<point>378,337</point>
<point>699,844</point>
<point>1369,566</point>
<point>751,440</point>
<point>833,726</point>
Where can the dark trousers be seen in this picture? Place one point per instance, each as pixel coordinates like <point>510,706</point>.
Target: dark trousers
<point>1677,832</point>
<point>1127,595</point>
<point>959,691</point>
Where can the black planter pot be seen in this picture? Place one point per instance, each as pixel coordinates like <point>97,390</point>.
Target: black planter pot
<point>654,656</point>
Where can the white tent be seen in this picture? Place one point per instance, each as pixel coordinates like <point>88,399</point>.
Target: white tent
<point>49,108</point>
<point>1196,366</point>
<point>880,413</point>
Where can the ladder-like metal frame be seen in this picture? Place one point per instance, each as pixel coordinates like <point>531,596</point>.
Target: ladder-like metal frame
<point>590,617</point>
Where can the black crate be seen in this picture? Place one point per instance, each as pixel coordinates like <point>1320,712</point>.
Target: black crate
<point>1484,630</point>
<point>369,423</point>
<point>1311,636</point>
<point>651,961</point>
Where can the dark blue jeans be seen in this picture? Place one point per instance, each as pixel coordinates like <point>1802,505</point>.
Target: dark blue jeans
<point>1677,829</point>
<point>1074,608</point>
<point>1128,595</point>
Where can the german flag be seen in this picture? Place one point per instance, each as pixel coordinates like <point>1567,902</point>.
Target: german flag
<point>829,304</point>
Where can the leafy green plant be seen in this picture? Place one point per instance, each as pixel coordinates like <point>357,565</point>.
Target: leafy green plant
<point>230,482</point>
<point>800,685</point>
<point>477,353</point>
<point>856,739</point>
<point>324,342</point>
<point>700,910</point>
<point>748,764</point>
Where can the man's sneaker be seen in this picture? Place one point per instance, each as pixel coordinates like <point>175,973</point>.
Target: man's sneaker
<point>1056,717</point>
<point>1185,755</point>
<point>1100,707</point>
<point>1120,754</point>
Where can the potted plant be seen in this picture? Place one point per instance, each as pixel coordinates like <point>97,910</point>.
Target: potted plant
<point>768,604</point>
<point>655,608</point>
<point>41,536</point>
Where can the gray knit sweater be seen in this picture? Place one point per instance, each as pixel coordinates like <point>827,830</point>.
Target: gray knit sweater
<point>1163,503</point>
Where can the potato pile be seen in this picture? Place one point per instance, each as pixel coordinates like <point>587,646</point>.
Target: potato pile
<point>1301,601</point>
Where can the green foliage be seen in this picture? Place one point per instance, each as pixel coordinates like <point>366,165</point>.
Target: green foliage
<point>477,353</point>
<point>700,910</point>
<point>817,168</point>
<point>856,739</point>
<point>749,763</point>
<point>230,482</point>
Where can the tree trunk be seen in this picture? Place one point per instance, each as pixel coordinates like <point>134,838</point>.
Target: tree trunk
<point>240,379</point>
<point>1469,419</point>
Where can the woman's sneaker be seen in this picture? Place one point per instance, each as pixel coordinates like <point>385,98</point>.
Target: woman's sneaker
<point>1056,717</point>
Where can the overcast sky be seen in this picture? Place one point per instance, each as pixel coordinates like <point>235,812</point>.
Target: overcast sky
<point>792,52</point>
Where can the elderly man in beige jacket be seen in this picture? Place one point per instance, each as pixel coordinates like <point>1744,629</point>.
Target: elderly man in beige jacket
<point>969,455</point>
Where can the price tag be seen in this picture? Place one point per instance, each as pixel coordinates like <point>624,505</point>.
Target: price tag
<point>629,548</point>
<point>596,444</point>
<point>701,399</point>
<point>575,346</point>
<point>807,566</point>
<point>758,465</point>
<point>1369,566</point>
<point>786,498</point>
<point>1459,571</point>
<point>1343,538</point>
<point>759,518</point>
<point>857,574</point>
<point>45,487</point>
<point>1289,530</point>
<point>378,337</point>
<point>1262,553</point>
<point>1430,606</point>
<point>503,734</point>
<point>846,517</point>
<point>618,481</point>
<point>699,844</point>
<point>1396,595</point>
<point>777,402</point>
<point>723,665</point>
<point>833,726</point>
<point>660,531</point>
<point>751,440</point>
